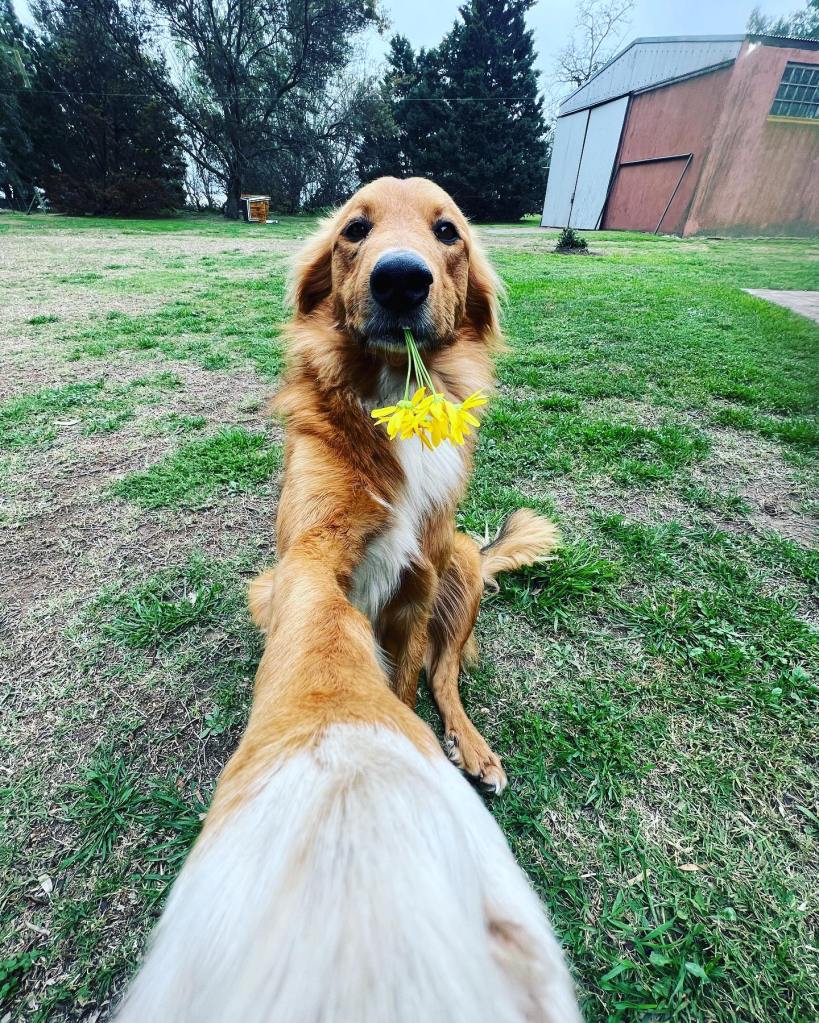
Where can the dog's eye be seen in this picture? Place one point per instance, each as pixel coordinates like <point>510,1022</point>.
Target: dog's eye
<point>446,232</point>
<point>357,230</point>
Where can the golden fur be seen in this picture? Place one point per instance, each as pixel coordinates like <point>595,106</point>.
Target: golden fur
<point>342,475</point>
<point>345,871</point>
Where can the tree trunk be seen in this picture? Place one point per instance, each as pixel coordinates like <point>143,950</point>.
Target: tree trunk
<point>233,205</point>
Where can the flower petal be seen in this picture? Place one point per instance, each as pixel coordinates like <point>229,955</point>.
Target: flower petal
<point>475,400</point>
<point>383,413</point>
<point>394,424</point>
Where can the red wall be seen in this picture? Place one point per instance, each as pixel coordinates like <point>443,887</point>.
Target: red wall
<point>669,121</point>
<point>761,176</point>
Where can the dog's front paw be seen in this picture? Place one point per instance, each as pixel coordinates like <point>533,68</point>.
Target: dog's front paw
<point>467,749</point>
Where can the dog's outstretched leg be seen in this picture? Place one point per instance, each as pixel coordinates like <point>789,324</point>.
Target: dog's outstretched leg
<point>450,642</point>
<point>524,539</point>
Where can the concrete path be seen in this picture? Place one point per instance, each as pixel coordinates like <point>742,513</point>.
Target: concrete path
<point>806,303</point>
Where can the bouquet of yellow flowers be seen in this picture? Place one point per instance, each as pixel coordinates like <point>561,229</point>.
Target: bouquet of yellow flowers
<point>431,417</point>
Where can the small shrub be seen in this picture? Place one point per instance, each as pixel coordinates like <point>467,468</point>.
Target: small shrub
<point>570,239</point>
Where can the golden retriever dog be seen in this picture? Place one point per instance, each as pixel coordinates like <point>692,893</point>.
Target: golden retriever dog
<point>346,872</point>
<point>381,515</point>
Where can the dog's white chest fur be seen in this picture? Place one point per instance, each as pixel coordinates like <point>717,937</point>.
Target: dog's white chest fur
<point>431,481</point>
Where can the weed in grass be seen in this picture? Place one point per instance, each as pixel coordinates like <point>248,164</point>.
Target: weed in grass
<point>801,562</point>
<point>172,820</point>
<point>147,618</point>
<point>251,405</point>
<point>669,960</point>
<point>174,423</point>
<point>649,548</point>
<point>232,460</point>
<point>801,432</point>
<point>13,970</point>
<point>37,321</point>
<point>577,578</point>
<point>27,419</point>
<point>731,639</point>
<point>155,612</point>
<point>229,701</point>
<point>529,440</point>
<point>728,504</point>
<point>107,802</point>
<point>218,327</point>
<point>591,747</point>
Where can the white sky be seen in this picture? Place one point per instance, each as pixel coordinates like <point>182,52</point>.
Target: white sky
<point>424,22</point>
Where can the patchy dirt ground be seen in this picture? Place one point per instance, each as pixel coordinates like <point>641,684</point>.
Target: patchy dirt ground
<point>654,682</point>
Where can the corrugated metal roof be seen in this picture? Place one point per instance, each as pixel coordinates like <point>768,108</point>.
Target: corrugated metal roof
<point>649,61</point>
<point>813,43</point>
<point>684,56</point>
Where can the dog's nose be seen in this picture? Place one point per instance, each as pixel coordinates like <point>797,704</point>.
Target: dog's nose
<point>400,281</point>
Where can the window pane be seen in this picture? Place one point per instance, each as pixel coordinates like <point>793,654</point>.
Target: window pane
<point>798,92</point>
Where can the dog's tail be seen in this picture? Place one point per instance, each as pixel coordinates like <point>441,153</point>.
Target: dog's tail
<point>524,539</point>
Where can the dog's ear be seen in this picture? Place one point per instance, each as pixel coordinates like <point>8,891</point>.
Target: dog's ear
<point>312,277</point>
<point>483,292</point>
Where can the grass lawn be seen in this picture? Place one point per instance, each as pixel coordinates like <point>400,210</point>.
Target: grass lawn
<point>653,692</point>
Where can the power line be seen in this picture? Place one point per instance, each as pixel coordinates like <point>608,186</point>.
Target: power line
<point>153,95</point>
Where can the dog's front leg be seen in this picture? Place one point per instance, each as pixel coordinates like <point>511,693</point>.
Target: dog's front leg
<point>403,629</point>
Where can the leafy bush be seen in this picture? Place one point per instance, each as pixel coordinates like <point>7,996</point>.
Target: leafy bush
<point>121,195</point>
<point>570,239</point>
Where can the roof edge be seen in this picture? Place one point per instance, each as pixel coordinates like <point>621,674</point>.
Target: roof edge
<point>654,39</point>
<point>775,40</point>
<point>801,42</point>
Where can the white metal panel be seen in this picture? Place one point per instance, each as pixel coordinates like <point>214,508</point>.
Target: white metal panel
<point>566,150</point>
<point>602,141</point>
<point>648,62</point>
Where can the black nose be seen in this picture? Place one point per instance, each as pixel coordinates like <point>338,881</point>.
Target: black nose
<point>400,281</point>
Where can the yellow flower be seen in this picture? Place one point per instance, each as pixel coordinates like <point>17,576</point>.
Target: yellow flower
<point>438,421</point>
<point>475,400</point>
<point>432,418</point>
<point>460,418</point>
<point>406,418</point>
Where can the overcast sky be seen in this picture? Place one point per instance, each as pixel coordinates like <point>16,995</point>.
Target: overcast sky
<point>424,22</point>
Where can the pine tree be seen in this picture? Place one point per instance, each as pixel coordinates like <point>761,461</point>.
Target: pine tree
<point>16,153</point>
<point>497,169</point>
<point>467,114</point>
<point>105,144</point>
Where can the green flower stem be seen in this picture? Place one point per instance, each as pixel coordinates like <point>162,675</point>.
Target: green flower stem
<point>416,364</point>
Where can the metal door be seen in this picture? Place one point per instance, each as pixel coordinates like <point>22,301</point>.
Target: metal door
<point>566,152</point>
<point>596,163</point>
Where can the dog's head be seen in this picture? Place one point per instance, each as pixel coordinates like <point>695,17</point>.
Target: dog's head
<point>398,254</point>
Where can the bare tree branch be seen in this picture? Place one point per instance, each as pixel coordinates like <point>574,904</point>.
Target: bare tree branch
<point>600,29</point>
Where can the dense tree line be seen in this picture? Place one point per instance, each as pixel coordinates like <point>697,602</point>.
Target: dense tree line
<point>467,113</point>
<point>802,24</point>
<point>79,121</point>
<point>121,106</point>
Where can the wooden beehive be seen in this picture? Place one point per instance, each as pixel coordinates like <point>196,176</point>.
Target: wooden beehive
<point>256,208</point>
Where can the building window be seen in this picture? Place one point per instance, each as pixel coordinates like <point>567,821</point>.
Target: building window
<point>798,93</point>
